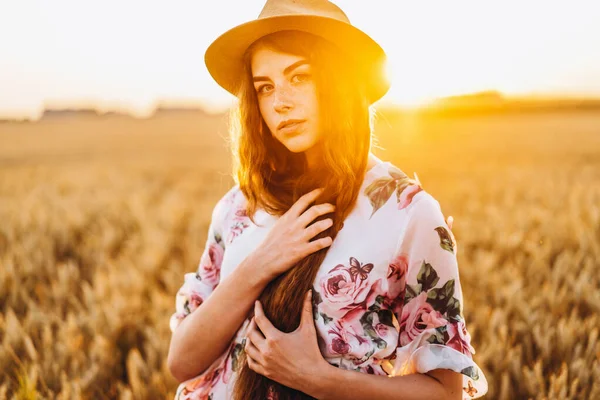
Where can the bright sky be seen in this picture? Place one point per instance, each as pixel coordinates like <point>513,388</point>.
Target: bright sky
<point>132,53</point>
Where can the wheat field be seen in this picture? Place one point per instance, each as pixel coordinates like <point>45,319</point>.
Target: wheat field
<point>100,217</point>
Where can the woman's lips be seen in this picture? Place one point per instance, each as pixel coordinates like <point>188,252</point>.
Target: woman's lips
<point>291,128</point>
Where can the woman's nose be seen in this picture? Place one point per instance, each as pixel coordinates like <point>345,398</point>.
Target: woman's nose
<point>282,101</point>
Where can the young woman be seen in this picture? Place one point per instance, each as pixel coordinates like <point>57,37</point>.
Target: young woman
<point>326,270</point>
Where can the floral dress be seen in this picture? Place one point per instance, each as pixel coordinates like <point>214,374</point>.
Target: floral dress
<point>387,299</point>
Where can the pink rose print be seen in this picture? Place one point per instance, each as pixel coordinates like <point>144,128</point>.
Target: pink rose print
<point>385,333</point>
<point>433,319</point>
<point>407,195</point>
<point>231,362</point>
<point>353,315</point>
<point>460,339</point>
<point>372,370</point>
<point>210,264</point>
<point>241,221</point>
<point>379,326</point>
<point>189,297</point>
<point>397,275</point>
<point>343,288</point>
<point>382,329</point>
<point>348,341</point>
<point>233,195</point>
<point>241,213</point>
<point>227,365</point>
<point>380,190</point>
<point>194,302</point>
<point>375,291</point>
<point>338,343</point>
<point>199,388</point>
<point>418,315</point>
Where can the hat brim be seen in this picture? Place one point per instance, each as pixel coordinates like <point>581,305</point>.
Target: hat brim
<point>224,57</point>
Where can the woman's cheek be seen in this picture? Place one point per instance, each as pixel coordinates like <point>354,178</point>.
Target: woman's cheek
<point>263,107</point>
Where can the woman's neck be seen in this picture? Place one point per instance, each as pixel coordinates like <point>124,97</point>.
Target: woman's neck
<point>372,161</point>
<point>312,159</point>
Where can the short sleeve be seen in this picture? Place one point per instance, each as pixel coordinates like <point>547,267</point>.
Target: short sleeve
<point>198,285</point>
<point>433,332</point>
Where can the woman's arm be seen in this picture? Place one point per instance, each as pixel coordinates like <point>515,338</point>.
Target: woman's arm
<point>439,384</point>
<point>433,358</point>
<point>294,360</point>
<point>201,336</point>
<point>205,334</point>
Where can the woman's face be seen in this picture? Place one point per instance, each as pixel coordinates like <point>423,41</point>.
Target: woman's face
<point>286,91</point>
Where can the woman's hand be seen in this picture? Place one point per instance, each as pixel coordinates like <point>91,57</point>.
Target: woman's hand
<point>292,359</point>
<point>288,241</point>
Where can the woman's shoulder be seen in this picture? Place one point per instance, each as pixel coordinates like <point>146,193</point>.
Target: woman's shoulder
<point>410,194</point>
<point>231,194</point>
<point>226,203</point>
<point>388,187</point>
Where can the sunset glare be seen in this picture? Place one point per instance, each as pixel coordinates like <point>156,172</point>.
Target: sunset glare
<point>132,55</point>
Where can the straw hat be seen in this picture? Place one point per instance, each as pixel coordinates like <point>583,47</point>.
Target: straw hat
<point>224,56</point>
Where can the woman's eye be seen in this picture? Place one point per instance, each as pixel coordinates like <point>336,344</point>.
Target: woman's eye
<point>301,77</point>
<point>261,89</point>
<point>296,78</point>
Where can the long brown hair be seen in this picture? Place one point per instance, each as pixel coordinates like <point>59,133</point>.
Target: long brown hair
<point>273,178</point>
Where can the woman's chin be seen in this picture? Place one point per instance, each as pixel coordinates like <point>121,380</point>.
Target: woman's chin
<point>298,145</point>
<point>297,149</point>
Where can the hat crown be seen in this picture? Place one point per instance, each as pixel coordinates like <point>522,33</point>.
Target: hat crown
<point>320,8</point>
<point>225,57</point>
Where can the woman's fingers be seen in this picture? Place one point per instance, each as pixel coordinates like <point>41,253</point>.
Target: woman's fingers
<point>313,213</point>
<point>254,334</point>
<point>288,241</point>
<point>255,366</point>
<point>267,329</point>
<point>319,244</point>
<point>252,351</point>
<point>317,228</point>
<point>303,202</point>
<point>253,354</point>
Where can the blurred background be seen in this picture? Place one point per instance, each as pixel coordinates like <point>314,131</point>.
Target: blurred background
<point>113,152</point>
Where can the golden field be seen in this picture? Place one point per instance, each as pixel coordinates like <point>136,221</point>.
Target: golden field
<point>100,217</point>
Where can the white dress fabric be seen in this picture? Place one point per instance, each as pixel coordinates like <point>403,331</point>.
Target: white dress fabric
<point>387,299</point>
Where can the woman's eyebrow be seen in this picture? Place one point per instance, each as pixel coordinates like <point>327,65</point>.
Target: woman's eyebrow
<point>286,71</point>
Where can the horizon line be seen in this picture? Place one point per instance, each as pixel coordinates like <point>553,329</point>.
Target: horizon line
<point>199,104</point>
